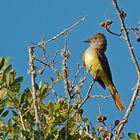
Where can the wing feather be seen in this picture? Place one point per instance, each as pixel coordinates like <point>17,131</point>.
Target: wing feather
<point>84,59</point>
<point>105,64</point>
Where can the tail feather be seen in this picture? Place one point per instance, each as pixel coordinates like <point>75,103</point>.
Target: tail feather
<point>116,98</point>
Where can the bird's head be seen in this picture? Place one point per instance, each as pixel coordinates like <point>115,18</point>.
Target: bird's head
<point>98,41</point>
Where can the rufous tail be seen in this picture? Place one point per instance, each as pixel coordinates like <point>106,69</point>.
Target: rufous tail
<point>116,98</point>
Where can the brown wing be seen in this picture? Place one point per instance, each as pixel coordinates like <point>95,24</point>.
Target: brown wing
<point>101,83</point>
<point>84,59</point>
<point>105,64</point>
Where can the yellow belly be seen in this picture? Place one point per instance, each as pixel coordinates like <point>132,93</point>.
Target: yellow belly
<point>94,65</point>
<point>92,62</point>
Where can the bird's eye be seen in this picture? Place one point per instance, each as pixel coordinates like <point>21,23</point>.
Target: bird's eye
<point>95,37</point>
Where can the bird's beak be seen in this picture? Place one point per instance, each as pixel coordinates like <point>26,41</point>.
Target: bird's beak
<point>87,41</point>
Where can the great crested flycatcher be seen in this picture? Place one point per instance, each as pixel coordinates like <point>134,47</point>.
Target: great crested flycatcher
<point>95,60</point>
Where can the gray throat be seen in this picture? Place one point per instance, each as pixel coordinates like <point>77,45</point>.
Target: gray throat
<point>99,45</point>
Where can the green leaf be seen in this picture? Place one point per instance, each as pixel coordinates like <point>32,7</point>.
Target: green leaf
<point>26,134</point>
<point>14,113</point>
<point>3,128</point>
<point>10,122</point>
<point>3,79</point>
<point>56,106</point>
<point>1,110</point>
<point>43,91</point>
<point>21,98</point>
<point>8,69</point>
<point>4,101</point>
<point>11,95</point>
<point>16,121</point>
<point>133,136</point>
<point>7,60</point>
<point>51,107</point>
<point>36,135</point>
<point>5,113</point>
<point>3,93</point>
<point>44,88</point>
<point>2,60</point>
<point>99,138</point>
<point>43,106</point>
<point>17,81</point>
<point>15,87</point>
<point>13,74</point>
<point>8,80</point>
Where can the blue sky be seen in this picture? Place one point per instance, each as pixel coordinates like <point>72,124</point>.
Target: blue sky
<point>28,21</point>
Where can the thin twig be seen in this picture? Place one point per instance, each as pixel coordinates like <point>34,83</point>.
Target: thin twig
<point>82,81</point>
<point>54,58</point>
<point>99,96</point>
<point>76,75</point>
<point>129,109</point>
<point>43,43</point>
<point>66,82</point>
<point>45,54</point>
<point>119,35</point>
<point>21,119</point>
<point>87,94</point>
<point>26,112</point>
<point>34,91</point>
<point>47,64</point>
<point>68,29</point>
<point>65,68</point>
<point>134,30</point>
<point>99,108</point>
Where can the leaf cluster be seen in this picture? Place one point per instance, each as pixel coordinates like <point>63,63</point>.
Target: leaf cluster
<point>17,116</point>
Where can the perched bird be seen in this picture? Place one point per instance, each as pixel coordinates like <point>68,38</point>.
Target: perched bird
<point>95,60</point>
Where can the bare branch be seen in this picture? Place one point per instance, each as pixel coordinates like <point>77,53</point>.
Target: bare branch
<point>82,80</point>
<point>129,109</point>
<point>136,91</point>
<point>87,94</point>
<point>127,38</point>
<point>21,119</point>
<point>47,64</point>
<point>99,96</point>
<point>66,56</point>
<point>45,54</point>
<point>99,109</point>
<point>43,43</point>
<point>119,35</point>
<point>76,75</point>
<point>54,58</point>
<point>68,29</point>
<point>34,91</point>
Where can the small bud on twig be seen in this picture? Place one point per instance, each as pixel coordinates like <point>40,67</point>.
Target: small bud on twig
<point>107,23</point>
<point>123,14</point>
<point>116,122</point>
<point>101,118</point>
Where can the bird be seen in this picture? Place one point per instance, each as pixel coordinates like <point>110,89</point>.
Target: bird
<point>95,60</point>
